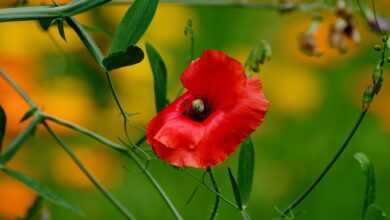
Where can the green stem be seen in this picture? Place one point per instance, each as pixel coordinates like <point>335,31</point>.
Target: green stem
<point>121,149</point>
<point>42,12</point>
<point>237,4</point>
<point>326,170</point>
<point>87,40</point>
<point>13,148</point>
<point>211,189</point>
<point>217,199</point>
<point>89,175</point>
<point>156,185</point>
<point>17,88</point>
<point>85,132</point>
<point>91,45</point>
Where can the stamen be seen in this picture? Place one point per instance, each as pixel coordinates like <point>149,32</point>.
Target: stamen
<point>198,106</point>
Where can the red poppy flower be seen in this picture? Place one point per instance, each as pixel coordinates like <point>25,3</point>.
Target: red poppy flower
<point>220,108</point>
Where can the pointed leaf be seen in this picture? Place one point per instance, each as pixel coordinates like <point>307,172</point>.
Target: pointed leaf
<point>369,172</point>
<point>133,24</point>
<point>160,77</point>
<point>35,208</point>
<point>246,168</point>
<point>60,27</point>
<point>130,56</point>
<point>3,124</point>
<point>41,190</point>
<point>28,114</point>
<point>45,23</point>
<point>375,213</point>
<point>236,190</point>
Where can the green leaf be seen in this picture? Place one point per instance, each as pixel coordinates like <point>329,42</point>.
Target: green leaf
<point>3,124</point>
<point>41,190</point>
<point>375,213</point>
<point>28,114</point>
<point>236,190</point>
<point>45,23</point>
<point>130,56</point>
<point>133,24</point>
<point>369,172</point>
<point>34,209</point>
<point>246,166</point>
<point>60,27</point>
<point>245,215</point>
<point>160,76</point>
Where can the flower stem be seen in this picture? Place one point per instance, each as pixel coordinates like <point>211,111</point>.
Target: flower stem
<point>217,199</point>
<point>123,150</point>
<point>238,4</point>
<point>326,170</point>
<point>47,12</point>
<point>211,189</point>
<point>92,178</point>
<point>17,88</point>
<point>91,45</point>
<point>13,148</point>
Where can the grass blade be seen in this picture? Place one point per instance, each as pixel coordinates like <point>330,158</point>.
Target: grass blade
<point>44,192</point>
<point>246,168</point>
<point>159,71</point>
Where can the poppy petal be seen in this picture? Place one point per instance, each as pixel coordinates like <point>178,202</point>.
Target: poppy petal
<point>215,76</point>
<point>238,106</point>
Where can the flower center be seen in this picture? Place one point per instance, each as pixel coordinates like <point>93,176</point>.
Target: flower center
<point>198,106</point>
<point>199,110</point>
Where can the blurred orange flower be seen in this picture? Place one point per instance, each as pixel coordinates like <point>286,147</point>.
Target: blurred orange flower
<point>23,70</point>
<point>15,198</point>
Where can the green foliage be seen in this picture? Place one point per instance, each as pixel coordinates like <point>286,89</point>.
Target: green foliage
<point>45,23</point>
<point>375,213</point>
<point>28,114</point>
<point>60,27</point>
<point>370,210</point>
<point>3,124</point>
<point>159,71</point>
<point>236,189</point>
<point>258,55</point>
<point>123,51</point>
<point>133,25</point>
<point>34,210</point>
<point>132,55</point>
<point>189,32</point>
<point>246,168</point>
<point>41,190</point>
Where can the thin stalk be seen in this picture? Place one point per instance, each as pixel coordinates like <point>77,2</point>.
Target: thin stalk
<point>91,45</point>
<point>13,148</point>
<point>89,175</point>
<point>87,40</point>
<point>237,4</point>
<point>85,132</point>
<point>156,185</point>
<point>48,12</point>
<point>327,168</point>
<point>217,199</point>
<point>211,189</point>
<point>141,140</point>
<point>18,89</point>
<point>121,149</point>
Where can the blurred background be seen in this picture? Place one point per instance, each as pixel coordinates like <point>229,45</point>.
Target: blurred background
<point>314,103</point>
